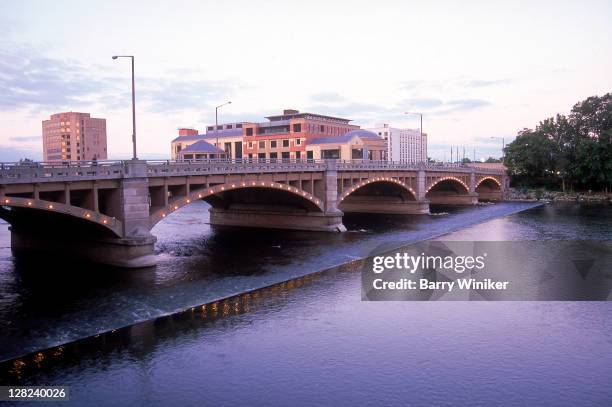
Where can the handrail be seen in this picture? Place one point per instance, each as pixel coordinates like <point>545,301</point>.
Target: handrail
<point>41,171</point>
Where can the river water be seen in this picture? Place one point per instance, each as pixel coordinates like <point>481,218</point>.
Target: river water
<point>310,341</point>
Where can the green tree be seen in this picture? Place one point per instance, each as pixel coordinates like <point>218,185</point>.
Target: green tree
<point>572,150</point>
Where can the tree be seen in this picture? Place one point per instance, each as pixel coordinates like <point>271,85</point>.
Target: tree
<point>493,160</point>
<point>575,150</point>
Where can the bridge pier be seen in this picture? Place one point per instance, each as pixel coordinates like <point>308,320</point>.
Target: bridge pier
<point>385,205</point>
<point>277,218</point>
<point>453,199</point>
<point>120,252</point>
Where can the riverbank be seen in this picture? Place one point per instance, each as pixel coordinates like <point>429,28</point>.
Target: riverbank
<point>295,257</point>
<point>527,195</point>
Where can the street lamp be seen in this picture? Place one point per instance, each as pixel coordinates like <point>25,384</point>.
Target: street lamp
<point>503,145</point>
<point>420,114</point>
<point>134,157</point>
<point>217,120</point>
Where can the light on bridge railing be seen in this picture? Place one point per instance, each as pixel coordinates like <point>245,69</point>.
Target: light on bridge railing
<point>29,203</point>
<point>50,206</point>
<point>175,207</point>
<point>104,221</point>
<point>7,201</point>
<point>88,215</point>
<point>199,195</point>
<point>163,215</point>
<point>189,200</point>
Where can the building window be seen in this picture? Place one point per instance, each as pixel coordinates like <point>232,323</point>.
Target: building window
<point>285,143</point>
<point>297,128</point>
<point>210,128</point>
<point>272,143</point>
<point>322,129</point>
<point>250,144</point>
<point>298,155</point>
<point>228,127</point>
<point>249,131</point>
<point>298,141</point>
<point>239,126</point>
<point>220,127</point>
<point>262,144</point>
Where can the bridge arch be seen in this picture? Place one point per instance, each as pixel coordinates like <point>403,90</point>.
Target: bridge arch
<point>447,184</point>
<point>310,201</point>
<point>111,225</point>
<point>489,189</point>
<point>489,180</point>
<point>450,190</point>
<point>408,193</point>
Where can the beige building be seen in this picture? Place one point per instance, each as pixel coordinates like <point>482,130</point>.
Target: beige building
<point>229,137</point>
<point>354,145</point>
<point>73,136</point>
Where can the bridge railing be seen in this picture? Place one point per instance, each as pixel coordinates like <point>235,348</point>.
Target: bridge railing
<point>49,171</point>
<point>42,171</point>
<point>226,166</point>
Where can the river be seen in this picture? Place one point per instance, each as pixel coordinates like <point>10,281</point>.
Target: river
<point>311,341</point>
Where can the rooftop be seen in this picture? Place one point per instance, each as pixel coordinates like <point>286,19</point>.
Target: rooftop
<point>295,114</point>
<point>345,137</point>
<point>202,147</point>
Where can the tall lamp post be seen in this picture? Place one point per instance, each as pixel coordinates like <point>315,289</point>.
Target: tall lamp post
<point>421,115</point>
<point>134,157</point>
<point>217,120</point>
<point>503,145</point>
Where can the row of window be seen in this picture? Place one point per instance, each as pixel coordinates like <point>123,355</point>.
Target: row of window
<point>284,155</point>
<point>227,127</point>
<point>274,143</point>
<point>297,128</point>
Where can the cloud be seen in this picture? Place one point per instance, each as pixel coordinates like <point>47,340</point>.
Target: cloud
<point>31,81</point>
<point>10,154</point>
<point>24,139</point>
<point>170,95</point>
<point>481,83</point>
<point>34,82</point>
<point>369,112</point>
<point>327,97</point>
<point>452,84</point>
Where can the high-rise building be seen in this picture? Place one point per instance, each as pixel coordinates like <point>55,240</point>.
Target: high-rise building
<point>403,145</point>
<point>73,136</point>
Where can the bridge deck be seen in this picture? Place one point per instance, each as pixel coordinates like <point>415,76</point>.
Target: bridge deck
<point>17,173</point>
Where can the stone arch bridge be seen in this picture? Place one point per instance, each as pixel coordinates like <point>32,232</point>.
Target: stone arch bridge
<point>105,211</point>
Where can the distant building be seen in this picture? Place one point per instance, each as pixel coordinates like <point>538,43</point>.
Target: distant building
<point>403,145</point>
<point>286,136</point>
<point>201,150</point>
<point>73,136</point>
<point>229,135</point>
<point>289,136</point>
<point>355,145</point>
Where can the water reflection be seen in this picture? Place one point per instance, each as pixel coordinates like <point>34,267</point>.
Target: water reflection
<point>45,303</point>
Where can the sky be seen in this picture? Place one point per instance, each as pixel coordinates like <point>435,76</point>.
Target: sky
<point>479,71</point>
